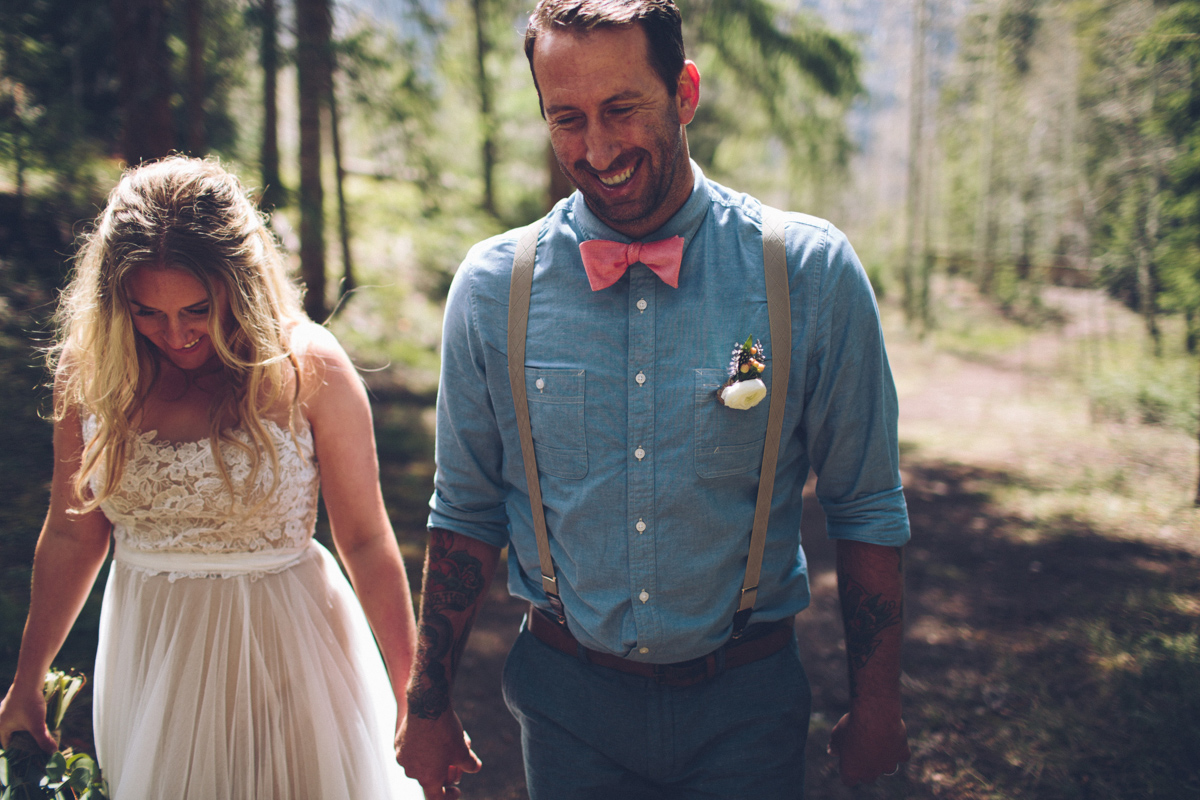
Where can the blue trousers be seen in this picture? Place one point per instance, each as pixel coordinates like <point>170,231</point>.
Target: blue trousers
<point>592,733</point>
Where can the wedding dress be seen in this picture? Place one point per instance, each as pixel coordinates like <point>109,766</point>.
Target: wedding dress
<point>235,662</point>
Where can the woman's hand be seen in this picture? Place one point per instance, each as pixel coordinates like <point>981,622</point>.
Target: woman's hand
<point>25,710</point>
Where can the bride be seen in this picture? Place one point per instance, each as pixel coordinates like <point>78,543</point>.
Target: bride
<point>198,412</point>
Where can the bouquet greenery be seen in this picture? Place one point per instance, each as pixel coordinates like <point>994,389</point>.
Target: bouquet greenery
<point>28,773</point>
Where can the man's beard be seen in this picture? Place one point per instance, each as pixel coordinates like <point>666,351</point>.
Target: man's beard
<point>662,178</point>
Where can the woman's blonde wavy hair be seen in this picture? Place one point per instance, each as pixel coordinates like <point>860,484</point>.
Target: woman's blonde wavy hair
<point>188,214</point>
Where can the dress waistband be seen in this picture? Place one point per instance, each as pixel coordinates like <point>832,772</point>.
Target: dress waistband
<point>226,565</point>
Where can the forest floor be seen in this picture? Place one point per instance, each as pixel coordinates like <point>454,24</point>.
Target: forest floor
<point>1053,592</point>
<point>1053,589</point>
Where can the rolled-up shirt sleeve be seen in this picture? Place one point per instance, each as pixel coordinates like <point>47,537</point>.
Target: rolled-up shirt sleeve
<point>851,410</point>
<point>469,491</point>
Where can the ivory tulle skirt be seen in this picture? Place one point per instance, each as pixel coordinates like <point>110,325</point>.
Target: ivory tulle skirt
<point>256,678</point>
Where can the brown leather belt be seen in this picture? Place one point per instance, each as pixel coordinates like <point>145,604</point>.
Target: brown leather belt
<point>757,641</point>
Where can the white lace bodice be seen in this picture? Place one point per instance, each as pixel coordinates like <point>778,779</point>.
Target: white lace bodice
<point>173,498</point>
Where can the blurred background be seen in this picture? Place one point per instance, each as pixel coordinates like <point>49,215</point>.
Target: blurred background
<point>1021,179</point>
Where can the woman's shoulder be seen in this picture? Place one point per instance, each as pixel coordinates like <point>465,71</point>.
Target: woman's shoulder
<point>320,359</point>
<point>308,340</point>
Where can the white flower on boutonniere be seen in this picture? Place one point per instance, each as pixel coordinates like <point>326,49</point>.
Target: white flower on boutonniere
<point>745,388</point>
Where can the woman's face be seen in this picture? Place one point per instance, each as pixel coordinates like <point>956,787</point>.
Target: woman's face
<point>171,308</point>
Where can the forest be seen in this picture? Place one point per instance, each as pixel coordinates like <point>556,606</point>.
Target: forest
<point>1021,179</point>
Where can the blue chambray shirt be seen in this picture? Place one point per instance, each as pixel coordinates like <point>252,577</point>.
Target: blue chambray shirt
<point>649,484</point>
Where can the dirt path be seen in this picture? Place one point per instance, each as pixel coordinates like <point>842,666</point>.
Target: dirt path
<point>993,593</point>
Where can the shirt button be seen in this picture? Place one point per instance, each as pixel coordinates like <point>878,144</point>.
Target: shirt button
<point>641,526</point>
<point>641,304</point>
<point>643,650</point>
<point>639,453</point>
<point>540,384</point>
<point>641,378</point>
<point>644,596</point>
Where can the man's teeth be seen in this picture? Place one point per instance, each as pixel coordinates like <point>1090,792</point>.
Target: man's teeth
<point>190,345</point>
<point>619,178</point>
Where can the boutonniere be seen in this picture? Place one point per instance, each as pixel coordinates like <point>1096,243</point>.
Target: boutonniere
<point>745,388</point>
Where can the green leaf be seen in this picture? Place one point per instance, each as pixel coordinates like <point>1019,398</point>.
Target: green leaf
<point>55,767</point>
<point>79,779</point>
<point>74,684</point>
<point>3,769</point>
<point>749,342</point>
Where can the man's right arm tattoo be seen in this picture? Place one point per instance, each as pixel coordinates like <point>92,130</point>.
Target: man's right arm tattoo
<point>454,583</point>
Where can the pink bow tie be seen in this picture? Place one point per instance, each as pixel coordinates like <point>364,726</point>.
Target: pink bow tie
<point>605,262</point>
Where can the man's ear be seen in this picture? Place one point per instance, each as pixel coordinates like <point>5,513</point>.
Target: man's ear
<point>687,92</point>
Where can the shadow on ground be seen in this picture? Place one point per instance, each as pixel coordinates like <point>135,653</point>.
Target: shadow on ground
<point>1039,663</point>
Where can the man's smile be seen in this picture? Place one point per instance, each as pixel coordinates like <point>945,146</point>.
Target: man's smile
<point>619,178</point>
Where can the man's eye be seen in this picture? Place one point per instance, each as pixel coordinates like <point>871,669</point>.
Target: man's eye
<point>198,312</point>
<point>143,312</point>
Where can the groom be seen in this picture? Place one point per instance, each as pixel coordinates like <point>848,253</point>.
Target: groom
<point>632,676</point>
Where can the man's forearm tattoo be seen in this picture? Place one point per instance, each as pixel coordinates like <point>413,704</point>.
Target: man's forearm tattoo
<point>453,582</point>
<point>866,616</point>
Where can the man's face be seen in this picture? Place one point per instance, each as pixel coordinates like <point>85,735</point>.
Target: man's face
<point>616,131</point>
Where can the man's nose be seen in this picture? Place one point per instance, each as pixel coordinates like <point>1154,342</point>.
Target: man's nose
<point>602,147</point>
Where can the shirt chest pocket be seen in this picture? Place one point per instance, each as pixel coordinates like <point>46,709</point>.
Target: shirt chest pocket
<point>556,419</point>
<point>728,441</point>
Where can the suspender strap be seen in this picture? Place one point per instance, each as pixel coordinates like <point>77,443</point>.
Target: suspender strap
<point>779,309</point>
<point>780,313</point>
<point>518,323</point>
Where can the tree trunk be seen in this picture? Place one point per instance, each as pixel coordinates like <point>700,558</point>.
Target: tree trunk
<point>348,282</point>
<point>143,71</point>
<point>913,294</point>
<point>1147,239</point>
<point>985,267</point>
<point>487,121</point>
<point>1196,500</point>
<point>312,59</point>
<point>273,194</point>
<point>194,24</point>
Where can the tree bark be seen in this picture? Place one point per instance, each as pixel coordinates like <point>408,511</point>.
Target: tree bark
<point>274,193</point>
<point>312,59</point>
<point>194,24</point>
<point>985,218</point>
<point>143,70</point>
<point>487,120</point>
<point>348,281</point>
<point>915,295</point>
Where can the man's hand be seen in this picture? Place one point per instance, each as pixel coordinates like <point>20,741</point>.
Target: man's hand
<point>868,744</point>
<point>435,753</point>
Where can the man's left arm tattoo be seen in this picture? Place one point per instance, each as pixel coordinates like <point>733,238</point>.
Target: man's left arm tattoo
<point>454,582</point>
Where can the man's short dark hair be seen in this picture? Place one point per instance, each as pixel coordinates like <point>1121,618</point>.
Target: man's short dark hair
<point>659,19</point>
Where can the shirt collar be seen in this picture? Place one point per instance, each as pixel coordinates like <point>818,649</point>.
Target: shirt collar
<point>685,222</point>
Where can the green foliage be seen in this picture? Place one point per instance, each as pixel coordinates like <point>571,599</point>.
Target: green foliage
<point>395,101</point>
<point>1172,45</point>
<point>227,39</point>
<point>777,88</point>
<point>60,90</point>
<point>27,773</point>
<point>1019,22</point>
<point>1151,397</point>
<point>59,87</point>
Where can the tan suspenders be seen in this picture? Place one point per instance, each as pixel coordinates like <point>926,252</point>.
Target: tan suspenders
<point>780,313</point>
